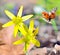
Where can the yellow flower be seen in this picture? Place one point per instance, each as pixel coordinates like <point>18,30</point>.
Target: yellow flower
<point>16,20</point>
<point>29,36</point>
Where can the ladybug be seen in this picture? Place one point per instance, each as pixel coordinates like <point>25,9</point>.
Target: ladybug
<point>49,15</point>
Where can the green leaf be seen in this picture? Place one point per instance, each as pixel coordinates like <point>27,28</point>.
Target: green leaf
<point>54,25</point>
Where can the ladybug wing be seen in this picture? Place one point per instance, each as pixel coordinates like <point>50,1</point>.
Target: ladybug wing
<point>54,10</point>
<point>45,15</point>
<point>38,9</point>
<point>52,15</point>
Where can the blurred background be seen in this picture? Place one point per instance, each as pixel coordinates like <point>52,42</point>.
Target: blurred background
<point>47,35</point>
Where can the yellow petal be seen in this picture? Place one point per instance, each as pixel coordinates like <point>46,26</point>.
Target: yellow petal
<point>22,30</point>
<point>19,41</point>
<point>8,24</point>
<point>20,11</point>
<point>24,18</point>
<point>15,30</point>
<point>26,47</point>
<point>9,14</point>
<point>31,27</point>
<point>35,42</point>
<point>36,31</point>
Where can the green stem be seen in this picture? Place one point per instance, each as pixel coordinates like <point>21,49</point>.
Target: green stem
<point>26,49</point>
<point>26,53</point>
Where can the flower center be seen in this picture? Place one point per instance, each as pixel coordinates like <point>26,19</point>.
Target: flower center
<point>17,20</point>
<point>29,35</point>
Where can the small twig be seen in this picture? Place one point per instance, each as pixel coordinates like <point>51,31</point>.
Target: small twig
<point>1,43</point>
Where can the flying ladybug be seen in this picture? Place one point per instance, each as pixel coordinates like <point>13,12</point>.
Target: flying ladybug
<point>48,17</point>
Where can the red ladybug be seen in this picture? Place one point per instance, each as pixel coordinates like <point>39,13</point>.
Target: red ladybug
<point>50,15</point>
